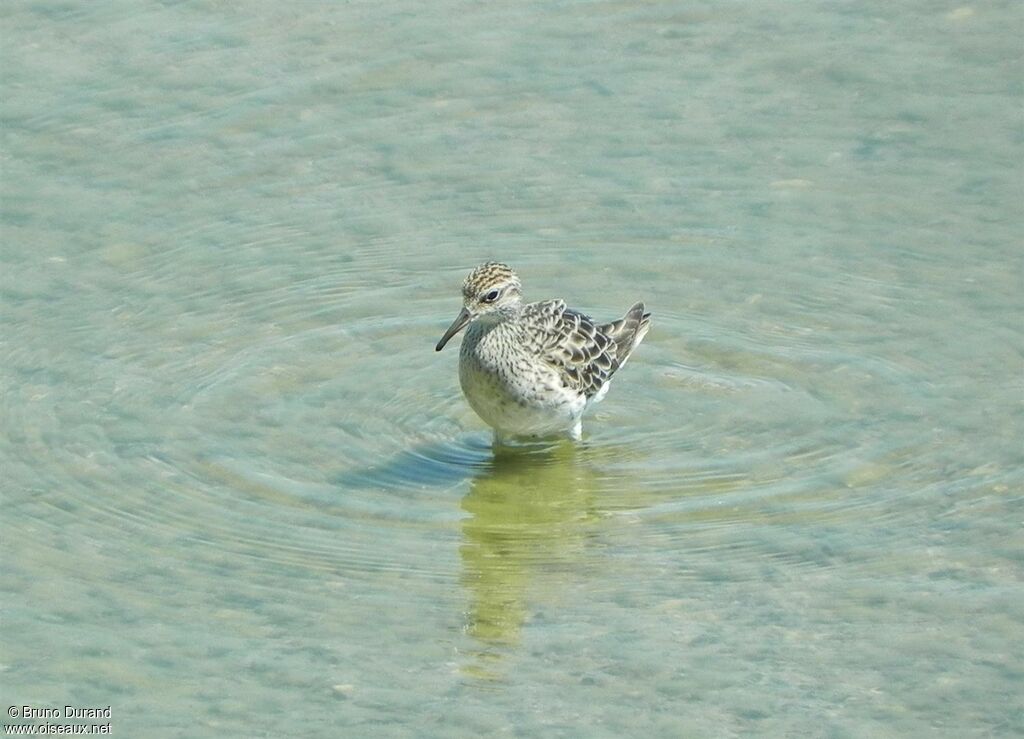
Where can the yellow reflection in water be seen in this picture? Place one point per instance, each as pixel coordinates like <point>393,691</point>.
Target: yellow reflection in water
<point>528,514</point>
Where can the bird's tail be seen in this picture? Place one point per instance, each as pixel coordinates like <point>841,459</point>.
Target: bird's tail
<point>628,331</point>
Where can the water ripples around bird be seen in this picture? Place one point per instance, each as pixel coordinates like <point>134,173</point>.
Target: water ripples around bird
<point>292,412</point>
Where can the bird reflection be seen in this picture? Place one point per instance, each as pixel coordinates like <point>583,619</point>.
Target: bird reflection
<point>527,530</point>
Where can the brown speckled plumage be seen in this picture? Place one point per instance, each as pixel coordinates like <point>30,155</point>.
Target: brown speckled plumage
<point>533,369</point>
<point>585,354</point>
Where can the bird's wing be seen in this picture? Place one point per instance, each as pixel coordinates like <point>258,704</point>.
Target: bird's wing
<point>582,353</point>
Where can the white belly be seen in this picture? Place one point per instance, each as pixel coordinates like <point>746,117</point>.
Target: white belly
<point>527,403</point>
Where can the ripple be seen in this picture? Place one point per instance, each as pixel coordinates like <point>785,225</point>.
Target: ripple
<point>293,413</point>
<point>242,426</point>
<point>756,433</point>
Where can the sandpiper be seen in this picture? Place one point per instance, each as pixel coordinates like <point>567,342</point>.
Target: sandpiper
<point>533,369</point>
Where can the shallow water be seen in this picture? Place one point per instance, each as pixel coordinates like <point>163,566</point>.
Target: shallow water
<point>243,496</point>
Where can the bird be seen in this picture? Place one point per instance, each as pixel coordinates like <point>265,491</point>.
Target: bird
<point>533,369</point>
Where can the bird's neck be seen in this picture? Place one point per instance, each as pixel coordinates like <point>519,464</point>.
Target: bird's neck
<point>508,312</point>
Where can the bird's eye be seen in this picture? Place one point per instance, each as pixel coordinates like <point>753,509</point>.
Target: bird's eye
<point>490,297</point>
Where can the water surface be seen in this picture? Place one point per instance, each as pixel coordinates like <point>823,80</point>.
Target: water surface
<point>243,496</point>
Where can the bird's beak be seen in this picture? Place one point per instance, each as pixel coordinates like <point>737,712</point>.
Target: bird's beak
<point>458,324</point>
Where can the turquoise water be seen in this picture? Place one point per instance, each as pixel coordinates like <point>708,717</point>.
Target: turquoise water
<point>243,496</point>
